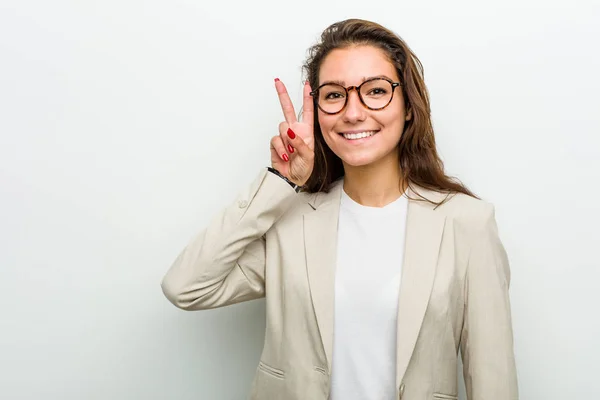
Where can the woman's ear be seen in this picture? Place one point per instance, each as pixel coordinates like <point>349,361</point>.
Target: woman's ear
<point>408,115</point>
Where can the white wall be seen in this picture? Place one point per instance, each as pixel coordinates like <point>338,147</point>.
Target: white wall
<point>125,125</point>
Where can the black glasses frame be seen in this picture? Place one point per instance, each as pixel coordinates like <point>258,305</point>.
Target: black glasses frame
<point>315,92</point>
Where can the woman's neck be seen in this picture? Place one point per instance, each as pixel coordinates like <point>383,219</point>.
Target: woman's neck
<point>374,185</point>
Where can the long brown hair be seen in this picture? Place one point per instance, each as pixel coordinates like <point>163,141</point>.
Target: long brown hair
<point>419,160</point>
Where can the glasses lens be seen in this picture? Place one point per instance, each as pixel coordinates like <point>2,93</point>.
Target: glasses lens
<point>376,93</point>
<point>332,97</point>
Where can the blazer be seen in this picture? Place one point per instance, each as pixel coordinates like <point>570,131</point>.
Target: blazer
<point>275,243</point>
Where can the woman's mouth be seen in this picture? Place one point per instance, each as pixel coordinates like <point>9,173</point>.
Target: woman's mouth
<point>357,136</point>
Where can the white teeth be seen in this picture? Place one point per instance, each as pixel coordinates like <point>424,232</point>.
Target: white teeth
<point>360,135</point>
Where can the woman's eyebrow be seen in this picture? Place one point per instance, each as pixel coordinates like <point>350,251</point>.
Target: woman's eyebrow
<point>365,78</point>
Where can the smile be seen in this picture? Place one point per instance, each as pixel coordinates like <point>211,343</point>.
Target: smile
<point>358,135</point>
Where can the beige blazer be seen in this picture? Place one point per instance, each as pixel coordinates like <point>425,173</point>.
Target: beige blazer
<point>276,243</point>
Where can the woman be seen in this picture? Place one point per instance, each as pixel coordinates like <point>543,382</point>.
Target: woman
<point>377,267</point>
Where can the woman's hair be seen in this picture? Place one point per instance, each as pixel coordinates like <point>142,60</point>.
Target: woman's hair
<point>419,160</point>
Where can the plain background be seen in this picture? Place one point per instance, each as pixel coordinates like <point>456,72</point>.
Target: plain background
<point>125,125</point>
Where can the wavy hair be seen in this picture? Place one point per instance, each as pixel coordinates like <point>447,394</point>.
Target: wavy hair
<point>420,163</point>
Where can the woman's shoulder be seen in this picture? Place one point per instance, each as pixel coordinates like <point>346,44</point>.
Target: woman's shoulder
<point>460,207</point>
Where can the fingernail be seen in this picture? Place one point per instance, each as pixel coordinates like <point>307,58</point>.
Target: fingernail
<point>291,133</point>
<point>285,157</point>
<point>290,148</point>
<point>276,79</point>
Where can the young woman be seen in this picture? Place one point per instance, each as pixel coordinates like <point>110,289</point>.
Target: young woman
<point>376,266</point>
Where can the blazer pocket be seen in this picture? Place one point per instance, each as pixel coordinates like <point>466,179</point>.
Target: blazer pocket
<point>277,373</point>
<point>444,396</point>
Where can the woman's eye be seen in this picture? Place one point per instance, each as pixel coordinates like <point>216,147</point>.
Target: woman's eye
<point>334,96</point>
<point>377,91</point>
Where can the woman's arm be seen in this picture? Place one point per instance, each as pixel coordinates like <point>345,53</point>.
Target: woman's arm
<point>487,337</point>
<point>225,263</point>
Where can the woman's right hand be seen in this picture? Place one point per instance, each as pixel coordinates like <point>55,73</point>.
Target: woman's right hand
<point>293,150</point>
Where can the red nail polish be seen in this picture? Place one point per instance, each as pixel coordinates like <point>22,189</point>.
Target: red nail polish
<point>290,148</point>
<point>285,157</point>
<point>276,79</point>
<point>291,133</point>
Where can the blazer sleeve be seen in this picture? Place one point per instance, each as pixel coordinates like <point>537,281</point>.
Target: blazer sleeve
<point>225,263</point>
<point>489,368</point>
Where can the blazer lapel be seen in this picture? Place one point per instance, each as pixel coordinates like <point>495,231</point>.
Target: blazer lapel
<point>320,240</point>
<point>423,237</point>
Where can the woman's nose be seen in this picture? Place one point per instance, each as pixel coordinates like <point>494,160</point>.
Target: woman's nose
<point>355,110</point>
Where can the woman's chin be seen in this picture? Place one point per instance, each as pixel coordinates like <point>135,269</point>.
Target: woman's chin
<point>357,160</point>
<point>368,158</point>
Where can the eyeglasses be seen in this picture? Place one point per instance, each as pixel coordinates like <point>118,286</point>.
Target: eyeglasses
<point>375,94</point>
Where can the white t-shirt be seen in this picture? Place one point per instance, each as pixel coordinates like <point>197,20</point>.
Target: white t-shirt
<point>370,251</point>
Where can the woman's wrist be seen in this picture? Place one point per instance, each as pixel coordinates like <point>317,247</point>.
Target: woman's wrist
<point>295,186</point>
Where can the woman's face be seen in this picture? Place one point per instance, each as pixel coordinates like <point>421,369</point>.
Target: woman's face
<point>352,66</point>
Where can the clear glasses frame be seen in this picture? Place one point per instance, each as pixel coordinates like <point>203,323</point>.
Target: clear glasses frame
<point>315,93</point>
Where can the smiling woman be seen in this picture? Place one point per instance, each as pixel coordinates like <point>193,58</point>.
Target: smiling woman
<point>358,51</point>
<point>376,266</point>
<point>372,116</point>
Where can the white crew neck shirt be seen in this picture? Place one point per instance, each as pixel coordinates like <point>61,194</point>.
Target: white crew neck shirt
<point>370,251</point>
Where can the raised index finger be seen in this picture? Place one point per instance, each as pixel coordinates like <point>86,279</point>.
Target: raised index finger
<point>286,103</point>
<point>308,107</point>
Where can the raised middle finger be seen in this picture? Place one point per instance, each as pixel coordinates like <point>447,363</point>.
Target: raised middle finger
<point>308,112</point>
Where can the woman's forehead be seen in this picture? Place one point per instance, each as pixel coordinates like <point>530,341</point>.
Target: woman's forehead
<point>352,65</point>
